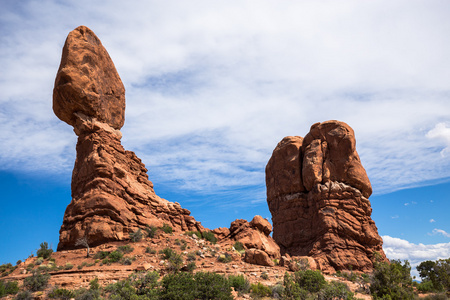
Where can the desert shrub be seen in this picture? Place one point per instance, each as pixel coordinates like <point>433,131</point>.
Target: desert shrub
<point>166,253</point>
<point>19,262</point>
<point>93,293</point>
<point>68,266</point>
<point>312,281</point>
<point>191,266</point>
<point>8,288</point>
<point>150,250</point>
<point>302,264</point>
<point>151,231</point>
<point>260,290</point>
<point>239,283</point>
<point>292,289</point>
<point>24,295</point>
<point>277,291</point>
<point>186,286</point>
<point>136,236</point>
<point>115,256</point>
<point>197,233</point>
<point>101,255</point>
<point>36,282</point>
<point>39,261</point>
<point>63,294</point>
<point>335,290</point>
<point>391,280</point>
<point>167,228</point>
<point>238,246</point>
<point>44,251</point>
<point>126,261</point>
<point>191,256</point>
<point>209,236</point>
<point>175,262</point>
<point>225,258</point>
<point>125,249</point>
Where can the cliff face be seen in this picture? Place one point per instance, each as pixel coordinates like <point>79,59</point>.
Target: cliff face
<point>111,193</point>
<point>317,191</point>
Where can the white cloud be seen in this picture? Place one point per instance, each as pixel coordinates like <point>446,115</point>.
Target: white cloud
<point>441,132</point>
<point>396,248</point>
<point>432,220</point>
<point>213,86</point>
<point>440,231</point>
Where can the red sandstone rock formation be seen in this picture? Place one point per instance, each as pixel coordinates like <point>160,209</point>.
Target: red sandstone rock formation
<point>318,191</point>
<point>261,249</point>
<point>111,193</point>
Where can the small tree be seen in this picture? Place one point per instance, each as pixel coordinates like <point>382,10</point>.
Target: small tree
<point>392,279</point>
<point>83,241</point>
<point>44,251</point>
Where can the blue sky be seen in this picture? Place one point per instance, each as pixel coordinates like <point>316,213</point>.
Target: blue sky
<point>212,87</point>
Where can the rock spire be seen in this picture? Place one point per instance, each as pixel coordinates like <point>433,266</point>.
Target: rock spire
<point>111,193</point>
<point>317,191</point>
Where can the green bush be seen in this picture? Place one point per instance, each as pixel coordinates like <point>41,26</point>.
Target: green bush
<point>185,286</point>
<point>136,236</point>
<point>101,255</point>
<point>39,261</point>
<point>426,287</point>
<point>125,249</point>
<point>151,231</point>
<point>191,266</point>
<point>239,283</point>
<point>175,262</point>
<point>335,290</point>
<point>197,233</point>
<point>292,290</point>
<point>166,228</point>
<point>209,236</point>
<point>191,256</point>
<point>24,295</point>
<point>115,256</point>
<point>238,246</point>
<point>8,288</point>
<point>391,280</point>
<point>166,253</point>
<point>126,261</point>
<point>260,290</point>
<point>36,282</point>
<point>44,251</point>
<point>312,281</point>
<point>62,294</point>
<point>93,293</point>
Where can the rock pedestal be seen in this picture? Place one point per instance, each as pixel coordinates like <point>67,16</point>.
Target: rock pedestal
<point>111,193</point>
<point>317,191</point>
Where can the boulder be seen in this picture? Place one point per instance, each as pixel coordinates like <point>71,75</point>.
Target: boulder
<point>317,192</point>
<point>258,257</point>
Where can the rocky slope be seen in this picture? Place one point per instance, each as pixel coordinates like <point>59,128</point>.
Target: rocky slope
<point>111,193</point>
<point>317,191</point>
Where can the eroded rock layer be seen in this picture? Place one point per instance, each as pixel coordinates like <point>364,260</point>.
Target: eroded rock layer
<point>317,191</point>
<point>111,193</point>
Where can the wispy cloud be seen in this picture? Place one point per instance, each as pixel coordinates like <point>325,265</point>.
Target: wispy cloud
<point>432,220</point>
<point>441,132</point>
<point>441,232</point>
<point>213,86</point>
<point>396,248</point>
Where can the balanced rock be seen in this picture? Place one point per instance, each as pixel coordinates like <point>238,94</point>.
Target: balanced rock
<point>111,193</point>
<point>317,191</point>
